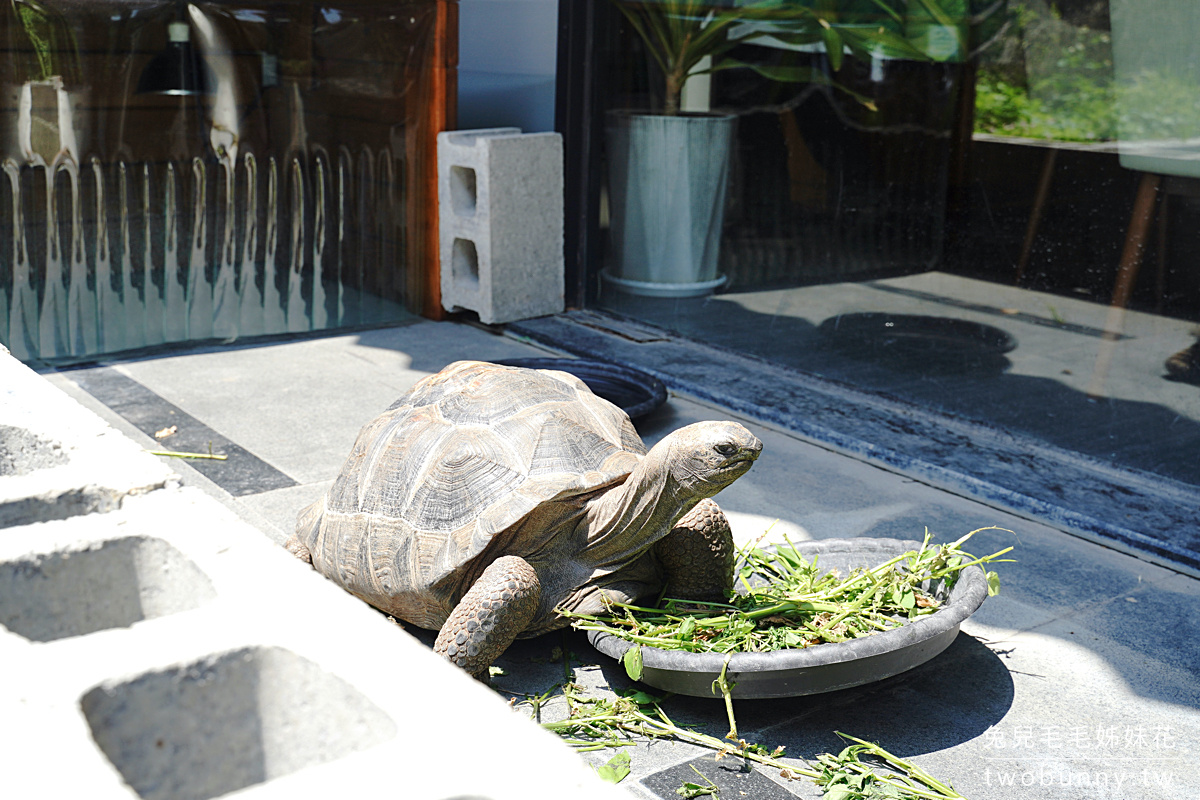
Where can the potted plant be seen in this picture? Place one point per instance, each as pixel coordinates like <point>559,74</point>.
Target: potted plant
<point>45,316</point>
<point>668,168</point>
<point>48,68</point>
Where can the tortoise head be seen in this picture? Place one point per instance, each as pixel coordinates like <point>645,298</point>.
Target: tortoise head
<point>705,457</point>
<point>689,464</point>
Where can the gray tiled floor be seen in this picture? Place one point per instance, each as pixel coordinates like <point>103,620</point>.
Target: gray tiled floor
<point>1078,681</point>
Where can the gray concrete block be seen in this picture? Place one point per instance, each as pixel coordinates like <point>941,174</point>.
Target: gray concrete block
<point>228,721</point>
<point>500,205</point>
<point>94,586</point>
<point>56,460</point>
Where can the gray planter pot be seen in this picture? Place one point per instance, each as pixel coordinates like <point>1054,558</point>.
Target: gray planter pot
<point>667,180</point>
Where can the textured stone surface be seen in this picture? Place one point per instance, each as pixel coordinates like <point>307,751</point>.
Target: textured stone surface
<point>95,585</point>
<point>500,207</point>
<point>56,462</point>
<point>229,721</point>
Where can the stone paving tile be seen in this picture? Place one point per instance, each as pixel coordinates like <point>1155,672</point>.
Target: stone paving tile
<point>1157,621</point>
<point>299,405</point>
<point>239,473</point>
<point>1058,574</point>
<point>731,779</point>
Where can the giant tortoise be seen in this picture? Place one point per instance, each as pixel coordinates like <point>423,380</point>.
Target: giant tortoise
<point>488,498</point>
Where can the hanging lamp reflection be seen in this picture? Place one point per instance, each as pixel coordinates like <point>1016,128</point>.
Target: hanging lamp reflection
<point>177,70</point>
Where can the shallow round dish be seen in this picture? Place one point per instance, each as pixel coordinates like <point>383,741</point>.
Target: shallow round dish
<point>633,391</point>
<point>824,667</point>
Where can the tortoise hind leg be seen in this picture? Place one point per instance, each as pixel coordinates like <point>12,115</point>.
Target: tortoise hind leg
<point>496,609</point>
<point>297,548</point>
<point>306,531</point>
<point>697,555</point>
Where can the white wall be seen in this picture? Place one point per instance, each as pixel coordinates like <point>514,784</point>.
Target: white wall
<point>506,64</point>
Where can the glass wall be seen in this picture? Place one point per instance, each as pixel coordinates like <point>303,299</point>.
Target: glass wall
<point>186,171</point>
<point>986,208</point>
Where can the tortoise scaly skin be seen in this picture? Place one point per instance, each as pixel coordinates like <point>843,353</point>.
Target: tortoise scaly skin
<point>491,615</point>
<point>697,556</point>
<point>488,498</point>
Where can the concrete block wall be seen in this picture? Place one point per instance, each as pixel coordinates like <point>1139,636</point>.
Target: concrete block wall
<point>500,206</point>
<point>156,646</point>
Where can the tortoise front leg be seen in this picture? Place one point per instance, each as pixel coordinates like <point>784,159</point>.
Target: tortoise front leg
<point>498,607</point>
<point>697,555</point>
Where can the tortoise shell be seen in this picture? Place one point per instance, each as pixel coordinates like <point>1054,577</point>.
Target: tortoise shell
<point>449,471</point>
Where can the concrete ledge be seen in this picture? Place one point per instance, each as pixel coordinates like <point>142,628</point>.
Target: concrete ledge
<point>57,461</point>
<point>166,649</point>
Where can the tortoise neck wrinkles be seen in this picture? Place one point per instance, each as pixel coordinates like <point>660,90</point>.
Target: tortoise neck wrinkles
<point>624,521</point>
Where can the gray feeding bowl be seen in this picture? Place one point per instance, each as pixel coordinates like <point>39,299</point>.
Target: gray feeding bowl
<point>824,667</point>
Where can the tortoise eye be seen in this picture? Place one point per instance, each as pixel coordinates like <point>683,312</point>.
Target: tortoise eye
<point>726,449</point>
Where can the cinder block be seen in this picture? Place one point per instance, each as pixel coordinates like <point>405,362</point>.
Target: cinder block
<point>500,202</point>
<point>228,721</point>
<point>97,585</point>
<point>56,462</point>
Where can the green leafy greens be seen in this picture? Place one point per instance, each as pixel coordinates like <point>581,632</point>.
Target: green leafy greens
<point>786,602</point>
<point>861,771</point>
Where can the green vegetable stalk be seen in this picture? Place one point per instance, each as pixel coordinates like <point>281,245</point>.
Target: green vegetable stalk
<point>786,603</point>
<point>862,771</point>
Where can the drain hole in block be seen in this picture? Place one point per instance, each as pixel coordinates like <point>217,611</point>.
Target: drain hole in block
<point>465,262</point>
<point>21,452</point>
<point>113,585</point>
<point>228,722</point>
<point>463,194</point>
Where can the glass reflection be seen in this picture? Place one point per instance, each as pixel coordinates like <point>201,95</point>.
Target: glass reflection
<point>142,207</point>
<point>990,210</point>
